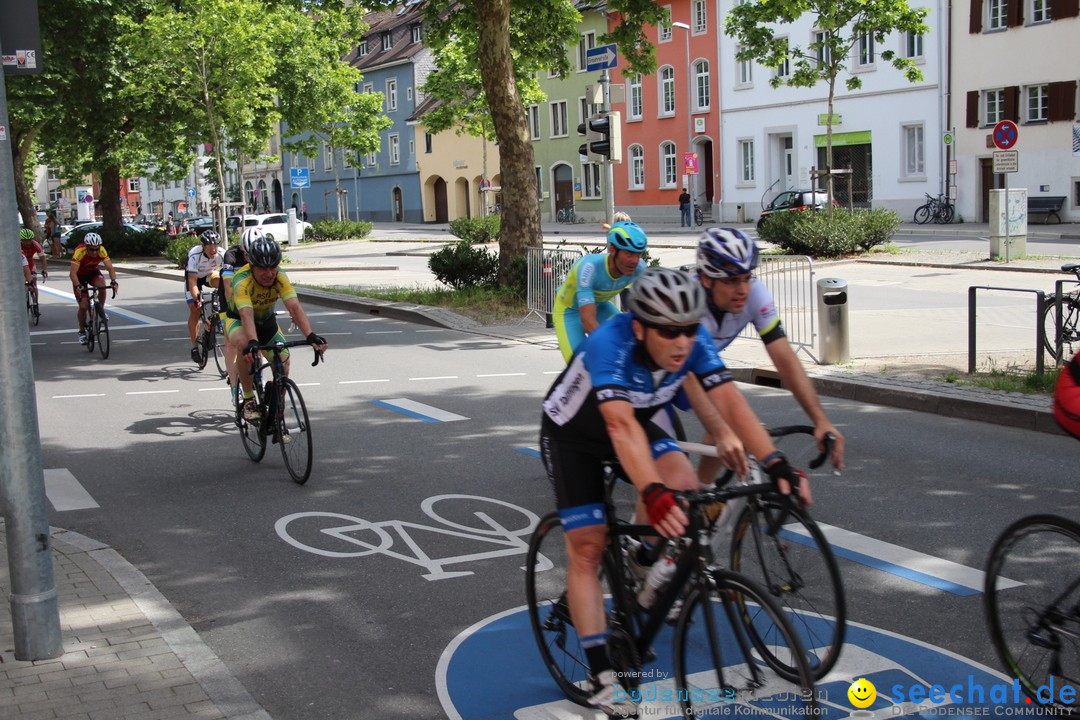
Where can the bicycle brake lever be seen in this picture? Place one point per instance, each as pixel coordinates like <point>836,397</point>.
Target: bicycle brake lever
<point>830,441</point>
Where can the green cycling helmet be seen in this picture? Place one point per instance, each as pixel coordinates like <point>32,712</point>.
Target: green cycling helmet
<point>628,236</point>
<point>26,234</point>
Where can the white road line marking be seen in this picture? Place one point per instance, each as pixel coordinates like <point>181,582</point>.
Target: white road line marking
<point>65,397</point>
<point>213,389</point>
<point>151,392</point>
<point>131,340</point>
<point>420,411</point>
<point>354,382</point>
<point>65,492</point>
<point>32,344</point>
<point>307,384</point>
<point>487,375</point>
<point>383,332</point>
<point>326,334</point>
<point>371,319</point>
<point>552,372</point>
<point>111,309</point>
<point>434,330</point>
<point>436,377</point>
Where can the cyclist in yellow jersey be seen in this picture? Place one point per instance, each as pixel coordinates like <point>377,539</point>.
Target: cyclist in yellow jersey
<point>256,288</point>
<point>84,271</point>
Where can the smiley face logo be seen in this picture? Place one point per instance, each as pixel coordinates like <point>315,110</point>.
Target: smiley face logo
<point>862,693</point>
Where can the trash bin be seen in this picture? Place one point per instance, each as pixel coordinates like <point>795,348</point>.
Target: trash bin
<point>832,307</point>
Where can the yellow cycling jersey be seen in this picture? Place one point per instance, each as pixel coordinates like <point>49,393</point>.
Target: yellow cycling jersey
<point>248,293</point>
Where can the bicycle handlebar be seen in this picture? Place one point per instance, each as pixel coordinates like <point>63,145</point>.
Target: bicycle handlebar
<point>84,288</point>
<point>782,431</point>
<point>277,347</point>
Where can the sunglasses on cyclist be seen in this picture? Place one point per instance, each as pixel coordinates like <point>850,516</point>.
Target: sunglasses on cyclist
<point>670,332</point>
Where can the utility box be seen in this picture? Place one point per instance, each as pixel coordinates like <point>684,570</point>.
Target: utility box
<point>832,307</point>
<point>1008,224</point>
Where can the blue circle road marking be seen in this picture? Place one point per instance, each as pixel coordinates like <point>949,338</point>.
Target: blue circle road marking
<point>493,671</point>
<point>1005,134</point>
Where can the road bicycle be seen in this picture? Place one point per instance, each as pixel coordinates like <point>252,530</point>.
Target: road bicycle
<point>33,310</point>
<point>937,209</point>
<point>283,416</point>
<point>729,632</point>
<point>210,337</point>
<point>569,215</point>
<point>699,216</point>
<point>1070,321</point>
<point>1032,603</point>
<point>794,562</point>
<point>97,322</point>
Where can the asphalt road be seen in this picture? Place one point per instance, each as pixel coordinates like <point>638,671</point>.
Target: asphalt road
<point>356,630</point>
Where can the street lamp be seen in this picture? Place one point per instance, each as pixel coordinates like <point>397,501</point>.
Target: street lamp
<point>689,119</point>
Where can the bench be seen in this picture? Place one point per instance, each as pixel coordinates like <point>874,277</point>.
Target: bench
<point>1047,205</point>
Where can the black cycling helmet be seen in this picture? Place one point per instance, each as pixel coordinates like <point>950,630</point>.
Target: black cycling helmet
<point>209,238</point>
<point>264,253</point>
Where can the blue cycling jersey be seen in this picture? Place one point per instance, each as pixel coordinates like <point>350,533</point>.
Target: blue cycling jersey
<point>611,365</point>
<point>589,282</point>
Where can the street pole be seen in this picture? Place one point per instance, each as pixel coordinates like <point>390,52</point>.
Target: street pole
<point>609,167</point>
<point>689,121</point>
<point>35,613</point>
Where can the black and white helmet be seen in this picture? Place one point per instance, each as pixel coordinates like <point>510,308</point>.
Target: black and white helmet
<point>209,238</point>
<point>662,296</point>
<point>249,237</point>
<point>264,253</point>
<point>723,252</point>
<point>91,239</point>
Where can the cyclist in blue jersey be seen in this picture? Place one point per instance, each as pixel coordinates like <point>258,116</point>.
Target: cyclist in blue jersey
<point>602,406</point>
<point>583,302</point>
<point>726,259</point>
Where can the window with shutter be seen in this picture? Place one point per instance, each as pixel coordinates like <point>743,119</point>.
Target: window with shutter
<point>1062,101</point>
<point>1012,103</point>
<point>975,21</point>
<point>973,109</point>
<point>1061,9</point>
<point>1015,13</point>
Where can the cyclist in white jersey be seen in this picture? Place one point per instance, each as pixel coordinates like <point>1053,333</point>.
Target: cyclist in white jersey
<point>203,267</point>
<point>726,259</point>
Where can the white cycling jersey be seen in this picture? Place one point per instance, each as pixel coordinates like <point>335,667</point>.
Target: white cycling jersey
<point>199,264</point>
<point>760,310</point>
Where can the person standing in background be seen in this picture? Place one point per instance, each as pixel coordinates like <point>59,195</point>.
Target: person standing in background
<point>52,234</point>
<point>684,209</point>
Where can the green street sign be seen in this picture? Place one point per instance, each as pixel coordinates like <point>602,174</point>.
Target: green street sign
<point>823,119</point>
<point>947,138</point>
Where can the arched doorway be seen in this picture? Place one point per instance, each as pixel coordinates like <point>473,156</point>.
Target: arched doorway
<point>264,199</point>
<point>461,198</point>
<point>704,183</point>
<point>398,211</point>
<point>249,192</point>
<point>441,215</point>
<point>563,182</point>
<point>277,196</point>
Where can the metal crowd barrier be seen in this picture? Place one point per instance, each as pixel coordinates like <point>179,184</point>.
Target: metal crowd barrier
<point>547,269</point>
<point>790,279</point>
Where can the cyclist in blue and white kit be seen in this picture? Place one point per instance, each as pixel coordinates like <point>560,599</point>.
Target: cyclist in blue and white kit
<point>203,266</point>
<point>726,260</point>
<point>602,406</point>
<point>583,303</point>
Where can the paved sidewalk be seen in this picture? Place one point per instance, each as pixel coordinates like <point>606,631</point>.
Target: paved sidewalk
<point>127,652</point>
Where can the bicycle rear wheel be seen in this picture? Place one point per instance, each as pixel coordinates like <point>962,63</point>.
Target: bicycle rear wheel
<point>699,217</point>
<point>715,666</point>
<point>251,434</point>
<point>102,332</point>
<point>91,324</point>
<point>32,307</point>
<point>549,616</point>
<point>1070,333</point>
<point>1032,604</point>
<point>202,344</point>
<point>797,568</point>
<point>923,214</point>
<point>945,214</point>
<point>294,432</point>
<point>218,333</point>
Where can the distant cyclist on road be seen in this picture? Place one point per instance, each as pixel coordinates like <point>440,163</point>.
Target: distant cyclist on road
<point>583,302</point>
<point>31,249</point>
<point>726,260</point>
<point>84,271</point>
<point>256,288</point>
<point>202,269</point>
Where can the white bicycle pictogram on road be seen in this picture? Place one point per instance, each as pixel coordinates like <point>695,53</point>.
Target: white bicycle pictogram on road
<point>380,540</point>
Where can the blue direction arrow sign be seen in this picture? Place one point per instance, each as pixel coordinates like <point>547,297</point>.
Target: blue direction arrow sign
<point>299,177</point>
<point>601,58</point>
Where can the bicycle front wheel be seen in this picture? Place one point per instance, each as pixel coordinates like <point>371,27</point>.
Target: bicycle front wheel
<point>218,332</point>
<point>715,665</point>
<point>945,214</point>
<point>32,308</point>
<point>294,432</point>
<point>549,615</point>
<point>251,434</point>
<point>102,332</point>
<point>202,346</point>
<point>1032,604</point>
<point>699,217</point>
<point>1070,335</point>
<point>923,214</point>
<point>797,568</point>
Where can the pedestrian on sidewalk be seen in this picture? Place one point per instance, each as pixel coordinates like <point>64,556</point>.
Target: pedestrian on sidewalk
<point>684,209</point>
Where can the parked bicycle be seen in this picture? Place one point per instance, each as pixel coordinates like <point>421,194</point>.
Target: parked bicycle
<point>210,337</point>
<point>97,322</point>
<point>726,627</point>
<point>1069,334</point>
<point>569,215</point>
<point>699,216</point>
<point>33,310</point>
<point>937,209</point>
<point>283,416</point>
<point>1032,604</point>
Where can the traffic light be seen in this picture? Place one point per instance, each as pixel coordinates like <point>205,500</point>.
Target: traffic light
<point>604,135</point>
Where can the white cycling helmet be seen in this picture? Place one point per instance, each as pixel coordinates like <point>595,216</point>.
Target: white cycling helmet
<point>723,252</point>
<point>662,296</point>
<point>91,239</point>
<point>249,237</point>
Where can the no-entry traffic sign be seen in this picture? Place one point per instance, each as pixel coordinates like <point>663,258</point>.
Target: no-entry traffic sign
<point>1006,134</point>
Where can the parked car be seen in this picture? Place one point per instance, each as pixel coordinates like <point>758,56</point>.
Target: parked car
<point>73,237</point>
<point>790,200</point>
<point>274,226</point>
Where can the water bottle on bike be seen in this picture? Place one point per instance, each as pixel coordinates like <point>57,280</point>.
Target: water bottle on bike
<point>659,576</point>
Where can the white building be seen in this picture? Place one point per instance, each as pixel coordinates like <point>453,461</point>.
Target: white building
<point>1016,60</point>
<point>889,132</point>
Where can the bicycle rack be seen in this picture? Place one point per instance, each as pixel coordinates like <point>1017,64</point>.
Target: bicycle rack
<point>1040,332</point>
<point>1059,295</point>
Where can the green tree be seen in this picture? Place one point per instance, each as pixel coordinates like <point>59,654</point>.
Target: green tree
<point>841,24</point>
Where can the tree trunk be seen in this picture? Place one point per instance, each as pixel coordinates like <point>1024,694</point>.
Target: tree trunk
<point>21,145</point>
<point>109,199</point>
<point>520,210</point>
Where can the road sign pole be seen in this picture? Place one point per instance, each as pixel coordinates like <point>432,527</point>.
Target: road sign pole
<point>609,166</point>
<point>1008,240</point>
